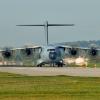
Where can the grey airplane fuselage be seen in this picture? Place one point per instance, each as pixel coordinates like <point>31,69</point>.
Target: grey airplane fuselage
<point>49,55</point>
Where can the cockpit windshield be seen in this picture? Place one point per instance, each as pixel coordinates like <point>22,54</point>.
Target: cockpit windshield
<point>50,49</point>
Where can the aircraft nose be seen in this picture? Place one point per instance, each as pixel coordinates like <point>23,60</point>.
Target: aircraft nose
<point>52,55</point>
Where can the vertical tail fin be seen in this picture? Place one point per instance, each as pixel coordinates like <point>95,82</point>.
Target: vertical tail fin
<point>46,28</point>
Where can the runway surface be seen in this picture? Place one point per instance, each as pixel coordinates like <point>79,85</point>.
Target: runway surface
<point>53,71</point>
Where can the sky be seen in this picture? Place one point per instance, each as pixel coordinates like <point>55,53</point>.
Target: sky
<point>85,14</point>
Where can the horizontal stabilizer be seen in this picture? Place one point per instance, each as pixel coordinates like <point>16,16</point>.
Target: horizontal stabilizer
<point>30,25</point>
<point>60,24</point>
<point>48,25</point>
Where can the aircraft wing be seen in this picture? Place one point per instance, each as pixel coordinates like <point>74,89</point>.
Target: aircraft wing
<point>81,48</point>
<point>27,47</point>
<point>22,48</point>
<point>27,51</point>
<point>74,50</point>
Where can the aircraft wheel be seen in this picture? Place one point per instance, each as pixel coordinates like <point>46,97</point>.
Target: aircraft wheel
<point>60,65</point>
<point>40,65</point>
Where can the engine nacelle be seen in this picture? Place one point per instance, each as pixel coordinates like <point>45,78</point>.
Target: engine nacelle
<point>73,52</point>
<point>7,54</point>
<point>93,52</point>
<point>60,51</point>
<point>28,52</point>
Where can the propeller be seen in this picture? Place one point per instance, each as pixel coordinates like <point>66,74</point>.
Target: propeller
<point>28,51</point>
<point>73,51</point>
<point>93,52</point>
<point>7,53</point>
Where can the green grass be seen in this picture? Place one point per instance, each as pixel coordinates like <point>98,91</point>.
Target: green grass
<point>17,87</point>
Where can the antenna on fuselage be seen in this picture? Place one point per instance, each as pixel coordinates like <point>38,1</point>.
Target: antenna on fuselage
<point>46,28</point>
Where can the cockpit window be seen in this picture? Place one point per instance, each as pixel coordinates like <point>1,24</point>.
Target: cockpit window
<point>50,49</point>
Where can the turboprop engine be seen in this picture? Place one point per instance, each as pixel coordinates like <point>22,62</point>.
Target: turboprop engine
<point>28,51</point>
<point>7,53</point>
<point>93,52</point>
<point>73,52</point>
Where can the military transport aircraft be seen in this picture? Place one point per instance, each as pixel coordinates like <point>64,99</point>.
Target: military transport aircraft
<point>50,54</point>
